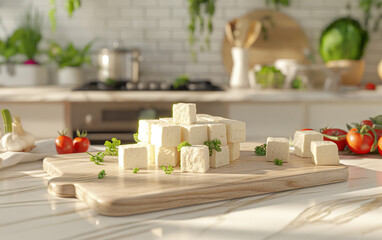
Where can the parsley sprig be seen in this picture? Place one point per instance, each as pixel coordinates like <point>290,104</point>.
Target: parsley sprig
<point>136,137</point>
<point>278,162</point>
<point>135,170</point>
<point>98,158</point>
<point>213,144</point>
<point>168,170</point>
<point>261,150</point>
<point>183,144</point>
<point>101,174</point>
<point>112,147</point>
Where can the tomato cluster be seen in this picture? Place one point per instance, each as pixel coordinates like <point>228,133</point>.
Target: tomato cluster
<point>362,138</point>
<point>65,144</point>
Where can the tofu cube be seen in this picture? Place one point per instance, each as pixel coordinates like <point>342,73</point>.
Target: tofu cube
<point>217,131</point>
<point>144,130</point>
<point>234,151</point>
<point>150,154</point>
<point>166,156</point>
<point>196,134</point>
<point>184,113</point>
<point>302,142</point>
<point>236,130</point>
<point>194,159</point>
<point>167,120</point>
<point>277,148</point>
<point>219,159</point>
<point>165,135</point>
<point>203,118</point>
<point>325,153</point>
<point>132,156</point>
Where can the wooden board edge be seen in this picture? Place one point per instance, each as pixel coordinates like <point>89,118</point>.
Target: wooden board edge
<point>145,204</point>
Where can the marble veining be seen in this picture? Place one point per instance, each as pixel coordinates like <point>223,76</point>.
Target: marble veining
<point>347,210</point>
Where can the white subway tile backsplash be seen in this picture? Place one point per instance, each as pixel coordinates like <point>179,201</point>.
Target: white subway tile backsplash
<point>159,29</point>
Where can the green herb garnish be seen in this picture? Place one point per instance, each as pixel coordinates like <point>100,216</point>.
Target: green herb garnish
<point>112,147</point>
<point>278,162</point>
<point>213,144</point>
<point>101,174</point>
<point>135,170</point>
<point>167,170</point>
<point>261,150</point>
<point>182,144</point>
<point>98,158</point>
<point>181,82</point>
<point>136,137</point>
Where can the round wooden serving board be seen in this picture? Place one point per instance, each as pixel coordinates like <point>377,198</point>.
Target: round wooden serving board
<point>286,40</point>
<point>122,192</point>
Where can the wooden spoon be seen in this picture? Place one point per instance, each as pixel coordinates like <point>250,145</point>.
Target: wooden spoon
<point>252,34</point>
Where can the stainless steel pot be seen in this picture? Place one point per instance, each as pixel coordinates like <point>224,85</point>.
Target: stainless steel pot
<point>119,64</point>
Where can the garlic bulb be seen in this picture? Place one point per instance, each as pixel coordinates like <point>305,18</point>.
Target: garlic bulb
<point>17,140</point>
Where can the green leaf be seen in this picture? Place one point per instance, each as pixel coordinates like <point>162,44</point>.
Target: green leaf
<point>112,147</point>
<point>213,145</point>
<point>136,137</point>
<point>182,144</point>
<point>278,162</point>
<point>101,174</point>
<point>261,150</point>
<point>135,170</point>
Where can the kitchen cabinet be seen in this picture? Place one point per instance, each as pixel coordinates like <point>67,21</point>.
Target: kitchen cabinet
<point>266,113</point>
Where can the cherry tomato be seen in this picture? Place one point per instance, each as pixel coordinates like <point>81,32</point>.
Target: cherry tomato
<point>341,144</point>
<point>370,86</point>
<point>367,122</point>
<point>380,146</point>
<point>359,143</point>
<point>81,143</point>
<point>64,143</point>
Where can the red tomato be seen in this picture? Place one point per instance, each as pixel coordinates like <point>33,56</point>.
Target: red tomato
<point>378,132</point>
<point>370,86</point>
<point>380,146</point>
<point>367,122</point>
<point>81,143</point>
<point>64,144</point>
<point>341,144</point>
<point>359,143</point>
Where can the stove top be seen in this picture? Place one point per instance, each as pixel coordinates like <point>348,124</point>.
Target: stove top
<point>194,85</point>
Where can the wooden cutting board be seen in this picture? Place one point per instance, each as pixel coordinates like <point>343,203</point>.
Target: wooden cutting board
<point>122,193</point>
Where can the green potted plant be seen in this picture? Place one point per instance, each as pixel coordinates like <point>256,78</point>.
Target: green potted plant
<point>69,60</point>
<point>24,43</point>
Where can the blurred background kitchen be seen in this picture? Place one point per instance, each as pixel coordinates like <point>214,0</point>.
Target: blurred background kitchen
<point>279,65</point>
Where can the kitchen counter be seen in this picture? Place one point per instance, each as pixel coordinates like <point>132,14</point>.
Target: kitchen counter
<point>60,94</point>
<point>348,210</point>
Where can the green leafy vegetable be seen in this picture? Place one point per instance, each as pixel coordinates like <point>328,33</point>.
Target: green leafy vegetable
<point>181,82</point>
<point>69,56</point>
<point>101,174</point>
<point>297,83</point>
<point>29,34</point>
<point>136,137</point>
<point>112,147</point>
<point>278,162</point>
<point>135,170</point>
<point>343,39</point>
<point>182,144</point>
<point>214,144</point>
<point>98,158</point>
<point>168,170</point>
<point>270,77</point>
<point>261,150</point>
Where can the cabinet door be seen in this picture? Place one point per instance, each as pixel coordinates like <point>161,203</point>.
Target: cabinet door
<point>41,119</point>
<point>269,119</point>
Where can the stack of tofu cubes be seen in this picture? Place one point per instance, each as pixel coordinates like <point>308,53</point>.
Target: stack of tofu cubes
<point>159,139</point>
<point>307,144</point>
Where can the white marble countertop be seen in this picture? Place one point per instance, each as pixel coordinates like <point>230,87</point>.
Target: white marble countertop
<point>62,94</point>
<point>347,210</point>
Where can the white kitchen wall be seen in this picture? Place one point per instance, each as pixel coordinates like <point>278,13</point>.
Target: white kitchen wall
<point>158,28</point>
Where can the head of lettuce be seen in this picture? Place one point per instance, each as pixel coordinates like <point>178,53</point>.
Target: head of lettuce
<point>344,38</point>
